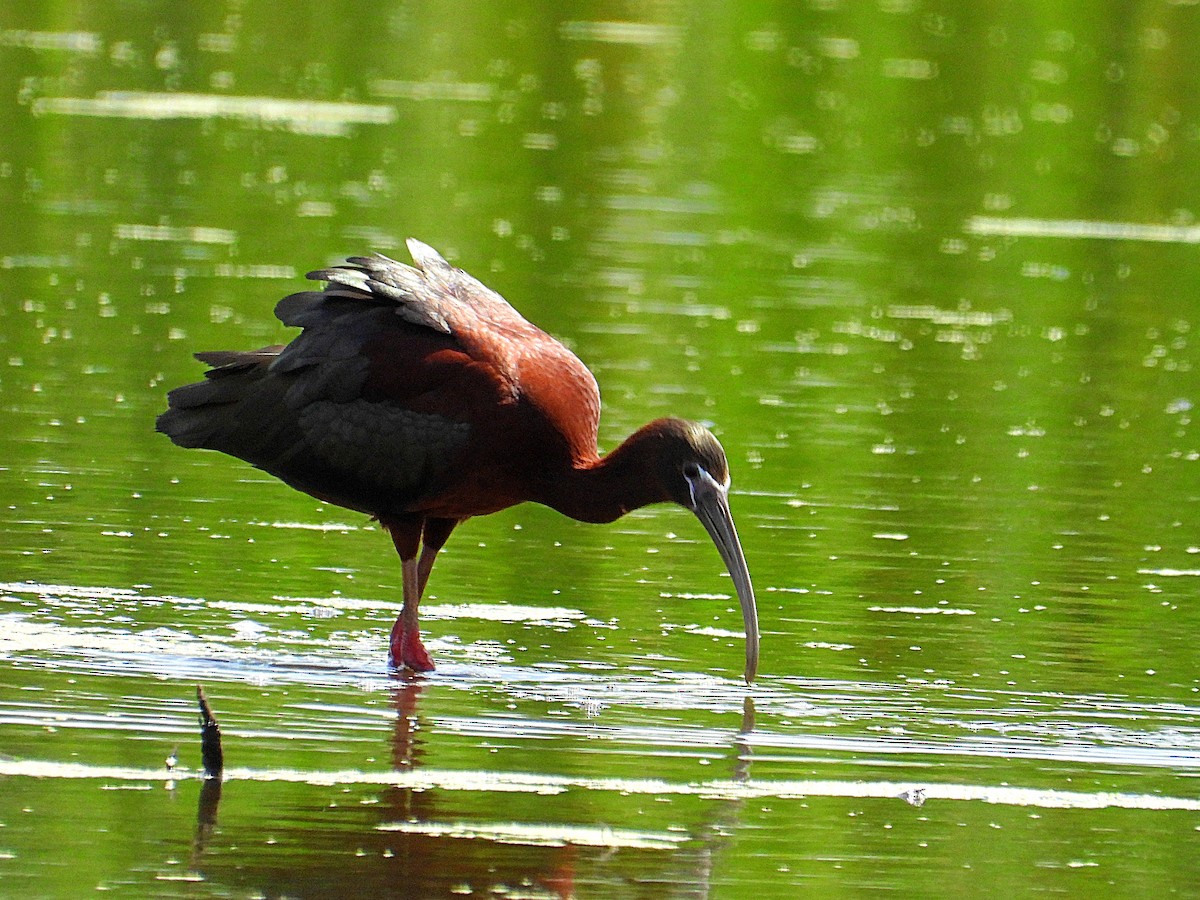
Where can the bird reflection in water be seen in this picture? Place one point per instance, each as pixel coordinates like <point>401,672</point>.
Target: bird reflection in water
<point>428,858</point>
<point>439,862</point>
<point>419,396</point>
<point>357,848</point>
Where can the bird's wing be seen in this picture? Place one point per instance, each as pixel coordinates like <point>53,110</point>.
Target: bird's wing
<point>384,402</point>
<point>395,370</point>
<point>431,294</point>
<point>363,408</point>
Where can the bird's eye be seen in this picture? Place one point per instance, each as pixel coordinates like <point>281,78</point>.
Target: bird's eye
<point>691,470</point>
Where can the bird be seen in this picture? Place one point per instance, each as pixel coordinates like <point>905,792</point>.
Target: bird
<point>418,396</point>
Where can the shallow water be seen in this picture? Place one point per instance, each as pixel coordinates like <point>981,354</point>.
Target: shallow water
<point>928,272</point>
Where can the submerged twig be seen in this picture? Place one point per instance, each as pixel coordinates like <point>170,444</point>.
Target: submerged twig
<point>210,739</point>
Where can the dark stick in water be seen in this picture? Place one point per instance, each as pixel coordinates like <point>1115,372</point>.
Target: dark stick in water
<point>210,739</point>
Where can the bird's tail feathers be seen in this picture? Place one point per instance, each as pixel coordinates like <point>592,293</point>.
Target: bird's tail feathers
<point>226,411</point>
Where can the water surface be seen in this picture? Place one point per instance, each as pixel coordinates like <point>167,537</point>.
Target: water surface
<point>928,272</point>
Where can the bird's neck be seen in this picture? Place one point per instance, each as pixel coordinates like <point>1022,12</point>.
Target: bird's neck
<point>604,488</point>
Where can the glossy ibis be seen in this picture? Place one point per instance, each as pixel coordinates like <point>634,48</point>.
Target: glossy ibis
<point>418,396</point>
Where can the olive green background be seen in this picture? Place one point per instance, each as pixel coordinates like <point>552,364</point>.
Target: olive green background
<point>929,271</point>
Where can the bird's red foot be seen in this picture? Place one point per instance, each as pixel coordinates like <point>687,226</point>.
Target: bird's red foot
<point>407,651</point>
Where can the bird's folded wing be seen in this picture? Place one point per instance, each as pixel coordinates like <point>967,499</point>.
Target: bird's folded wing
<point>432,294</point>
<point>379,445</point>
<point>383,435</point>
<point>379,391</point>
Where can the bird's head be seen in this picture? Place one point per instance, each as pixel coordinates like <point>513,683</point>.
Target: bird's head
<point>694,472</point>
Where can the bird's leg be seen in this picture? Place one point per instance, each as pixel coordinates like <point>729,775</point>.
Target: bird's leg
<point>406,649</point>
<point>437,532</point>
<point>406,633</point>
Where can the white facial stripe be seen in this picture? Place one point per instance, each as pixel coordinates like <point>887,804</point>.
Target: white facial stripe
<point>703,479</point>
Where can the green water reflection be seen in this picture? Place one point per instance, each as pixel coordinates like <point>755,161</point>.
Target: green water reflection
<point>929,270</point>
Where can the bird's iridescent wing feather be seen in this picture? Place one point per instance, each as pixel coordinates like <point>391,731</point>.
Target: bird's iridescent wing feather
<point>432,294</point>
<point>354,410</point>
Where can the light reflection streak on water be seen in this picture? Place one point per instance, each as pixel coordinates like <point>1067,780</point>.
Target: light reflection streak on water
<point>549,785</point>
<point>556,835</point>
<point>874,724</point>
<point>1048,728</point>
<point>439,91</point>
<point>311,117</point>
<point>1083,228</point>
<point>87,42</point>
<point>190,235</point>
<point>619,32</point>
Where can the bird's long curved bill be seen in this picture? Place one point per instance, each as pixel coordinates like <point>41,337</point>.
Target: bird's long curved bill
<point>712,508</point>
